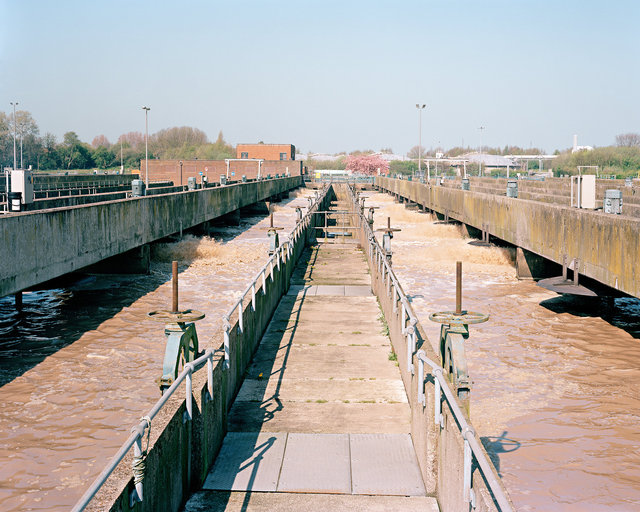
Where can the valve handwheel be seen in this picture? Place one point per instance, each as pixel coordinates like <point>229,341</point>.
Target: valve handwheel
<point>177,317</point>
<point>464,318</point>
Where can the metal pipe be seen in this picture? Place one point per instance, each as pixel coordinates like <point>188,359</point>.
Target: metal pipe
<point>458,287</point>
<point>174,298</point>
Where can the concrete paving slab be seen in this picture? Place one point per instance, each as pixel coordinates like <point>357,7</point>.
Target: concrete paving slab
<point>316,463</point>
<point>216,501</point>
<point>358,291</point>
<point>323,289</point>
<point>248,461</point>
<point>332,390</point>
<point>385,464</point>
<point>281,416</point>
<point>327,361</point>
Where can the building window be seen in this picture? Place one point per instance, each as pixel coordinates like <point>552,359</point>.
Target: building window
<point>283,156</point>
<point>244,154</point>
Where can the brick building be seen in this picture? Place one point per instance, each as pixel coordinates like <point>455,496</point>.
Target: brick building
<point>266,151</point>
<point>171,170</point>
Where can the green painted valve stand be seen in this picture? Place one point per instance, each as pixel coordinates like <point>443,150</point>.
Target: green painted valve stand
<point>453,332</point>
<point>272,234</point>
<point>180,333</point>
<point>182,343</point>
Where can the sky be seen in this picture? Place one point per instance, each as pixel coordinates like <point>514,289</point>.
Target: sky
<point>325,75</point>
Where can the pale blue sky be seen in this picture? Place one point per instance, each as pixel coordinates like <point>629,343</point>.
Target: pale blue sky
<point>328,75</point>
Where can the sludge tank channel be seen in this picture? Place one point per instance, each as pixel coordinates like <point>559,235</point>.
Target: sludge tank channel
<point>325,394</point>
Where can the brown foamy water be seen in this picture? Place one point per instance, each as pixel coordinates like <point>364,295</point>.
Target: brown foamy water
<point>556,393</point>
<point>78,364</point>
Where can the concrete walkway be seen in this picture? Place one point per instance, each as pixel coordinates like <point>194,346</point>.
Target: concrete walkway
<point>321,421</point>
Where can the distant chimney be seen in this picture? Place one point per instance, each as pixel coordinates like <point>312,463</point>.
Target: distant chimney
<point>575,143</point>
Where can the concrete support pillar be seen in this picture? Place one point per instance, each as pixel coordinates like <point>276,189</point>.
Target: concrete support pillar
<point>230,219</point>
<point>259,208</point>
<point>135,261</point>
<point>530,266</point>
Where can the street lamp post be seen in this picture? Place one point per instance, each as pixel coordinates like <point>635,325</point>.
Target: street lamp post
<point>481,128</point>
<point>15,161</point>
<point>146,147</point>
<point>420,109</point>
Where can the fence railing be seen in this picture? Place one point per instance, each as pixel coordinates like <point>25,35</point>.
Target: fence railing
<point>136,438</point>
<point>409,327</point>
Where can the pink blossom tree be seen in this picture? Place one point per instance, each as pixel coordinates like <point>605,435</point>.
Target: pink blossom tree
<point>367,164</point>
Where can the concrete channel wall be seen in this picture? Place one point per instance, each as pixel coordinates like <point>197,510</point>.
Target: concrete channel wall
<point>182,452</point>
<point>38,246</point>
<point>554,190</point>
<point>607,246</point>
<point>440,450</point>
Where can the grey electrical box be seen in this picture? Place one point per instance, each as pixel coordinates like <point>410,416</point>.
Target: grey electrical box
<point>223,179</point>
<point>613,201</point>
<point>465,183</point>
<point>137,188</point>
<point>192,184</point>
<point>22,181</point>
<point>244,178</point>
<point>512,188</point>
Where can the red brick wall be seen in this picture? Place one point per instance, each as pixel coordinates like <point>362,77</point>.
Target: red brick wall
<point>266,151</point>
<point>169,170</point>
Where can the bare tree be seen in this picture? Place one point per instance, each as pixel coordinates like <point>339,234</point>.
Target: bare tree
<point>631,140</point>
<point>100,140</point>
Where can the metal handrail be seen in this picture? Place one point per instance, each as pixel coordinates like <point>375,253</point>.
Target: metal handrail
<point>442,385</point>
<point>262,276</point>
<point>138,431</point>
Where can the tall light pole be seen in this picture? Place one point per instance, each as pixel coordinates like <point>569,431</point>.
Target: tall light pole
<point>420,109</point>
<point>15,161</point>
<point>481,128</point>
<point>146,147</point>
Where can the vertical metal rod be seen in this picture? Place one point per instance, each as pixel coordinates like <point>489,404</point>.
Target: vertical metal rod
<point>437,403</point>
<point>395,296</point>
<point>240,314</point>
<point>409,354</point>
<point>467,472</point>
<point>421,397</point>
<point>458,287</point>
<point>188,397</point>
<point>174,299</point>
<point>576,271</point>
<point>210,375</point>
<point>227,348</point>
<point>564,267</point>
<point>404,318</point>
<point>264,282</point>
<point>253,296</point>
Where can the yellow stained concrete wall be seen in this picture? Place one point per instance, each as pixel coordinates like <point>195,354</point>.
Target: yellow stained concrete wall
<point>38,246</point>
<point>606,245</point>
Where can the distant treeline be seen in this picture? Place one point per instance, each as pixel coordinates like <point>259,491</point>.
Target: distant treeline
<point>47,153</point>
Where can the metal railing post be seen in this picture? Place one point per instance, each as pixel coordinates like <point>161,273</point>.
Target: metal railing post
<point>210,375</point>
<point>189,392</point>
<point>227,356</point>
